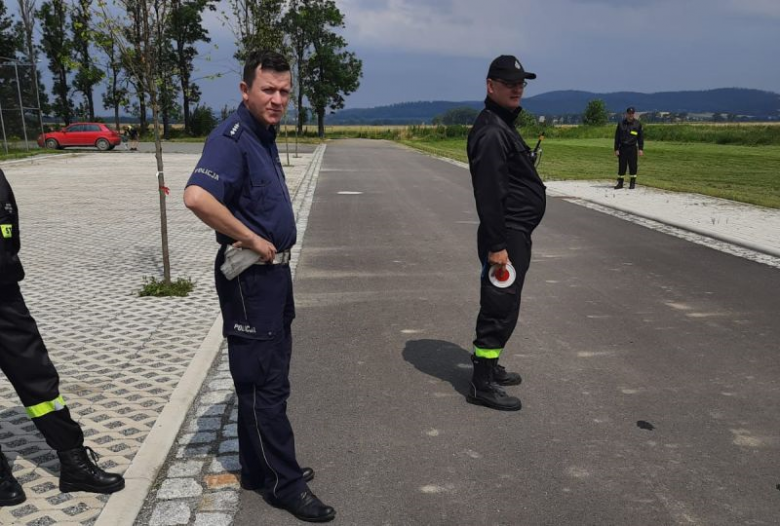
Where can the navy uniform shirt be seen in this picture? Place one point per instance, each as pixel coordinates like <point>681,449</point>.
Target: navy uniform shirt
<point>240,167</point>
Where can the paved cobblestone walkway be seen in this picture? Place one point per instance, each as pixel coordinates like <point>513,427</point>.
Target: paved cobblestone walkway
<point>90,234</point>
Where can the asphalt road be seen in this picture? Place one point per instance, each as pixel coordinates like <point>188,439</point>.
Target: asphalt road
<point>650,365</point>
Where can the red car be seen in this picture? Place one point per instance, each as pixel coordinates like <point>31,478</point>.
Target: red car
<point>94,134</point>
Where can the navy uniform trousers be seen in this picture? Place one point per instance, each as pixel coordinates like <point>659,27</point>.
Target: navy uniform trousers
<point>25,362</point>
<point>258,310</point>
<point>499,309</point>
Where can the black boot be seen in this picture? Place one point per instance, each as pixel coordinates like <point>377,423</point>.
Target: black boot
<point>485,391</point>
<point>11,492</point>
<point>79,472</point>
<point>632,184</point>
<point>619,184</point>
<point>306,507</point>
<point>502,377</point>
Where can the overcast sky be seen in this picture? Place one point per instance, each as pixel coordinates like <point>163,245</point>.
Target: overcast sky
<point>440,49</point>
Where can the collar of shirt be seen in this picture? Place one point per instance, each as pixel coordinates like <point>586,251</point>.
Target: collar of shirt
<point>265,135</point>
<point>508,116</point>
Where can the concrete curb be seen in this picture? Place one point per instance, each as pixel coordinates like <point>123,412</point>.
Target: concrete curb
<point>666,221</point>
<point>123,507</point>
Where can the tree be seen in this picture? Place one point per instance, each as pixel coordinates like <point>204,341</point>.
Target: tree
<point>185,29</point>
<point>116,94</point>
<point>203,121</point>
<point>87,73</point>
<point>26,29</point>
<point>256,24</point>
<point>596,113</point>
<point>330,72</point>
<point>461,115</point>
<point>58,49</point>
<point>137,33</point>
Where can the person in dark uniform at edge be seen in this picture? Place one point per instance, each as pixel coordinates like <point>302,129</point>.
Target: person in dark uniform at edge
<point>238,188</point>
<point>629,141</point>
<point>511,201</point>
<point>25,362</point>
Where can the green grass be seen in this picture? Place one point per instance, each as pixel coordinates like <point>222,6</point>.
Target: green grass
<point>22,154</point>
<point>750,174</point>
<point>158,288</point>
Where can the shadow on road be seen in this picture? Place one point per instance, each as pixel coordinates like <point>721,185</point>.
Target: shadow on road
<point>440,359</point>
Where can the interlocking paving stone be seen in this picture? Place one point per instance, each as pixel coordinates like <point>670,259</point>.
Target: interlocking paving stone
<point>170,513</point>
<point>189,468</point>
<point>219,501</point>
<point>213,519</point>
<point>179,488</point>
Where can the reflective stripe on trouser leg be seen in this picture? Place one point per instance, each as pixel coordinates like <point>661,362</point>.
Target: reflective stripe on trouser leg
<point>487,353</point>
<point>44,408</point>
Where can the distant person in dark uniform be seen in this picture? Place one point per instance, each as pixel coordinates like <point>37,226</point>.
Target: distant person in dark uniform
<point>238,188</point>
<point>629,141</point>
<point>25,362</point>
<point>132,135</point>
<point>511,202</point>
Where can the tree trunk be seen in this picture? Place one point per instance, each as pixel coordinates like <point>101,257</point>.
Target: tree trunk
<point>161,191</point>
<point>321,123</point>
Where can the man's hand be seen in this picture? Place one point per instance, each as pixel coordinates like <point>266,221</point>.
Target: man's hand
<point>617,153</point>
<point>500,258</point>
<point>641,153</point>
<point>265,248</point>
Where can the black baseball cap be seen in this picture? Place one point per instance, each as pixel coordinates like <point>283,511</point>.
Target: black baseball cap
<point>508,68</point>
<point>630,109</point>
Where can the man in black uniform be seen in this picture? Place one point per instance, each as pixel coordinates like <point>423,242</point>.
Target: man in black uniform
<point>238,188</point>
<point>628,142</point>
<point>510,198</point>
<point>25,361</point>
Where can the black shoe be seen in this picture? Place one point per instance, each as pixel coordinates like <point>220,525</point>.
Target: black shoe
<point>619,184</point>
<point>306,507</point>
<point>11,492</point>
<point>632,184</point>
<point>502,377</point>
<point>494,397</point>
<point>79,472</point>
<point>250,485</point>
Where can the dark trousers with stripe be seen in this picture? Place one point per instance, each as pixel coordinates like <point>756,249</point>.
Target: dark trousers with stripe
<point>257,311</point>
<point>627,159</point>
<point>25,362</point>
<point>499,309</point>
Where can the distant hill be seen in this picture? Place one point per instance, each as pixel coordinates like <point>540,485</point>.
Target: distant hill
<point>749,103</point>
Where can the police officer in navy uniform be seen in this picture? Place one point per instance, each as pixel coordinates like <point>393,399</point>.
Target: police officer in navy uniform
<point>629,141</point>
<point>238,188</point>
<point>25,362</point>
<point>511,202</point>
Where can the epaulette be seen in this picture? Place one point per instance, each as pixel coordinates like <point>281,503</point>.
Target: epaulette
<point>234,131</point>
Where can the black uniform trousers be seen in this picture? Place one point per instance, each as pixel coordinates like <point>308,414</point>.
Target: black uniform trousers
<point>627,158</point>
<point>258,310</point>
<point>25,362</point>
<point>500,308</point>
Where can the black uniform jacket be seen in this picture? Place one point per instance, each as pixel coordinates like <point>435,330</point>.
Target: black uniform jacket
<point>509,192</point>
<point>11,270</point>
<point>629,134</point>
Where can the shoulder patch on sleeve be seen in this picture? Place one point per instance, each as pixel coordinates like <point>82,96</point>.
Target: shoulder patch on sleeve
<point>234,131</point>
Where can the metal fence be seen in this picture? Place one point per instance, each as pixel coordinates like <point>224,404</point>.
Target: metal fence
<point>21,119</point>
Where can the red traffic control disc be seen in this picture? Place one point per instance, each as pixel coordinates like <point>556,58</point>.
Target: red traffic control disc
<point>502,278</point>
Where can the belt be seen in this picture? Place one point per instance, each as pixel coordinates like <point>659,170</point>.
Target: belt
<point>281,258</point>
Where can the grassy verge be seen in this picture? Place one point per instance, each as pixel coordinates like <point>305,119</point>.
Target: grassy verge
<point>741,173</point>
